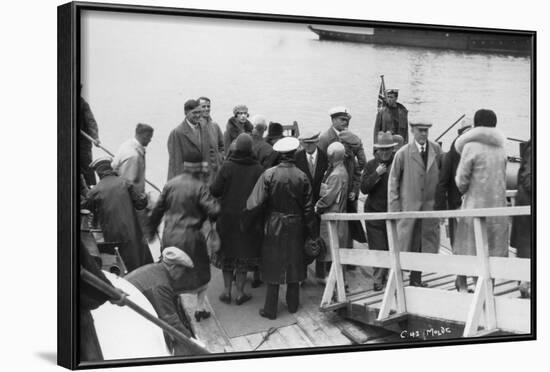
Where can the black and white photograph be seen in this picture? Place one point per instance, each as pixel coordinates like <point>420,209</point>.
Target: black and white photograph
<point>284,185</point>
<point>254,184</point>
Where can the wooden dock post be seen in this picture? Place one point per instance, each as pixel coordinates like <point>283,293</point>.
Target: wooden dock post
<point>484,299</point>
<point>394,288</point>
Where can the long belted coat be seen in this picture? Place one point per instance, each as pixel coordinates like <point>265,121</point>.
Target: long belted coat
<point>481,177</point>
<point>182,141</point>
<point>185,203</point>
<point>412,188</point>
<point>284,193</point>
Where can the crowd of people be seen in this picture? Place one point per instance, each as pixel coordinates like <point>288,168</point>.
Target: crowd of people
<point>264,195</point>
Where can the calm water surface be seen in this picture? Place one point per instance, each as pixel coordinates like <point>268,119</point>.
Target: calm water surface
<point>142,68</point>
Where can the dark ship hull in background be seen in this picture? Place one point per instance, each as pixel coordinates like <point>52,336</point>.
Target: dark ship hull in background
<point>455,40</point>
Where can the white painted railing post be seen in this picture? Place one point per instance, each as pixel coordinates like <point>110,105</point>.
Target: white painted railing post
<point>394,288</point>
<point>336,268</point>
<point>483,296</point>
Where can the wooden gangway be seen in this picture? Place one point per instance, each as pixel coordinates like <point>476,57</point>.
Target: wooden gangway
<point>481,312</point>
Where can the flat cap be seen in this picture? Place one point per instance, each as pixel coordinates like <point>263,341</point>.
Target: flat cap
<point>420,124</point>
<point>310,136</point>
<point>175,256</point>
<point>102,162</point>
<point>286,144</point>
<point>392,91</point>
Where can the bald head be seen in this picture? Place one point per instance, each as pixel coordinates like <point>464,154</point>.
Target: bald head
<point>260,124</point>
<point>336,152</point>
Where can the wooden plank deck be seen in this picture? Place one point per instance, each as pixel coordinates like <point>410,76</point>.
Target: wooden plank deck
<point>315,328</point>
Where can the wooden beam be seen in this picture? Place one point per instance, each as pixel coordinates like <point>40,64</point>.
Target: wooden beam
<point>336,265</point>
<point>510,268</point>
<point>480,212</point>
<point>482,249</point>
<point>394,287</point>
<point>394,318</point>
<point>388,299</point>
<point>442,264</point>
<point>513,314</point>
<point>329,288</point>
<point>474,313</point>
<point>364,257</point>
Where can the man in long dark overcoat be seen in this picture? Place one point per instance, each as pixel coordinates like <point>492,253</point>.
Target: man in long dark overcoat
<point>189,140</point>
<point>284,192</point>
<point>374,184</point>
<point>114,202</point>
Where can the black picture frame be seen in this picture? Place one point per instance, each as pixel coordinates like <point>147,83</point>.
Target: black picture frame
<point>69,34</point>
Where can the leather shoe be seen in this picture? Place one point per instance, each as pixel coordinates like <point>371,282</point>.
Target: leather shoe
<point>225,298</point>
<point>202,314</point>
<point>418,284</point>
<point>266,315</point>
<point>241,300</point>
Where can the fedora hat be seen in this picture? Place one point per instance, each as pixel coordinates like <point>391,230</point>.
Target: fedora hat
<point>384,140</point>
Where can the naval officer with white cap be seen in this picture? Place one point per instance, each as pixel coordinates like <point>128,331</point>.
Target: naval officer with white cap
<point>340,117</point>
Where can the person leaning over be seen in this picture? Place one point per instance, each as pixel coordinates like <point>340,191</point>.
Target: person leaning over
<point>186,203</point>
<point>114,202</point>
<point>156,282</point>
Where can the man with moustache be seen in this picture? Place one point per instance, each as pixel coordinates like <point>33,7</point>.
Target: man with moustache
<point>413,178</point>
<point>190,139</point>
<point>392,117</point>
<point>374,184</point>
<point>340,117</point>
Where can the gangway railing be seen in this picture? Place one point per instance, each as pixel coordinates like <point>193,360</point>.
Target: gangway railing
<point>480,309</point>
